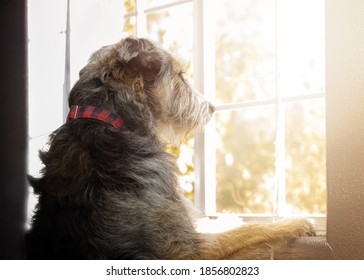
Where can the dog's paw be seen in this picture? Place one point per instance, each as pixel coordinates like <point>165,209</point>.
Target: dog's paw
<point>297,227</point>
<point>304,228</point>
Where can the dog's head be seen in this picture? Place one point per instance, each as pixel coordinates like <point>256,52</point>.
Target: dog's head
<point>145,86</point>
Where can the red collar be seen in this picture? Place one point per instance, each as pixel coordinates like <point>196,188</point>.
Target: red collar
<point>92,112</point>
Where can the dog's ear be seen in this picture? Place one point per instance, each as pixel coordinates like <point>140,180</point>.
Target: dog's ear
<point>147,64</point>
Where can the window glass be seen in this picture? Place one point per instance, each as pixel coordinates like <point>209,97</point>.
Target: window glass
<point>261,52</point>
<point>129,6</point>
<point>245,160</point>
<point>305,157</point>
<point>165,28</point>
<point>300,47</point>
<point>244,50</point>
<point>129,10</point>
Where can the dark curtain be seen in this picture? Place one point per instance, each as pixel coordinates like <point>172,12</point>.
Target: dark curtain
<point>13,128</point>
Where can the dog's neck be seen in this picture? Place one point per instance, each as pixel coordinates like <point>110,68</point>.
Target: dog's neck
<point>92,112</point>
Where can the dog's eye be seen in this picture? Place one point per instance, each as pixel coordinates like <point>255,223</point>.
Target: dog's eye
<point>181,75</point>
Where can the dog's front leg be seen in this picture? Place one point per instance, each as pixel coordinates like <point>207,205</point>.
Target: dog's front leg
<point>222,245</point>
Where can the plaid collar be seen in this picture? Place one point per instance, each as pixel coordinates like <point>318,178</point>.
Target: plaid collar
<point>92,112</point>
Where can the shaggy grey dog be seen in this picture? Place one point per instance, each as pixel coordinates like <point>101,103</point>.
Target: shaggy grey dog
<point>108,189</point>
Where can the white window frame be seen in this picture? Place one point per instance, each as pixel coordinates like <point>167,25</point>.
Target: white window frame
<point>205,161</point>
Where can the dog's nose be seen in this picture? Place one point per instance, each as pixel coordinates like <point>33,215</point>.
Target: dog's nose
<point>211,108</point>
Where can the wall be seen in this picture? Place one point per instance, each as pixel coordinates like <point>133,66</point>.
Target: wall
<point>345,127</point>
<point>46,60</point>
<point>93,23</point>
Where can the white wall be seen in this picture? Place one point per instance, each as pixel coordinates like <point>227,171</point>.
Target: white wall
<point>345,127</point>
<point>94,23</point>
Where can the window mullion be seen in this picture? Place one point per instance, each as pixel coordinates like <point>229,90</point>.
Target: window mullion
<point>204,77</point>
<point>198,73</point>
<point>166,6</point>
<point>279,202</point>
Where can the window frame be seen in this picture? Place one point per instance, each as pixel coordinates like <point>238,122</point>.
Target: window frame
<point>203,69</point>
<point>205,190</point>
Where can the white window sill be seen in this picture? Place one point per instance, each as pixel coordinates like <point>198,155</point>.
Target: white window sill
<point>304,248</point>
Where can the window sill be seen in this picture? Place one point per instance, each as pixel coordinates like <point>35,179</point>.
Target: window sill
<point>305,248</point>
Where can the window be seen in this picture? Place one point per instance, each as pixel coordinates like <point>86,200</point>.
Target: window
<point>262,64</point>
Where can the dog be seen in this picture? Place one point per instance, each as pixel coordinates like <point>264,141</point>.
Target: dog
<point>109,189</point>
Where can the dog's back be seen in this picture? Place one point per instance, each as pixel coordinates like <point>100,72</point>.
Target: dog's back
<point>123,208</point>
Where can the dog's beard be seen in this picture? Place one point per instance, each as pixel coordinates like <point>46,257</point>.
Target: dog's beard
<point>189,117</point>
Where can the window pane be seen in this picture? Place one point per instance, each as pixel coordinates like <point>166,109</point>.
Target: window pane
<point>165,28</point>
<point>130,26</point>
<point>129,13</point>
<point>185,162</point>
<point>301,46</point>
<point>305,157</point>
<point>245,160</point>
<point>129,6</point>
<point>245,50</point>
